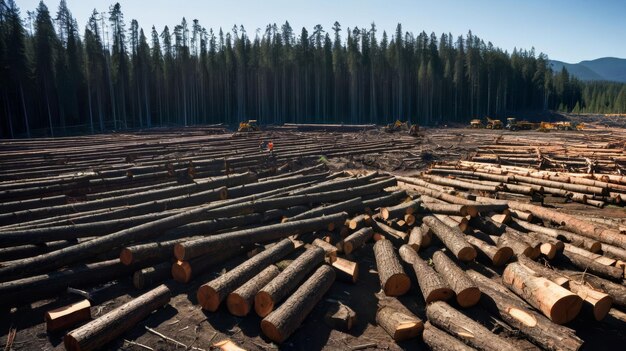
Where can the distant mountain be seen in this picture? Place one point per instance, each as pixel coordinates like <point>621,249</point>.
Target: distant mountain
<point>606,68</point>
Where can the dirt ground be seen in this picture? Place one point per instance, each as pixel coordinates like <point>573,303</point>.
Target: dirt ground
<point>184,320</point>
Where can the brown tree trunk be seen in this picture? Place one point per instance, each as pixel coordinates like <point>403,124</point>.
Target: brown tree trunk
<point>453,238</point>
<point>438,340</point>
<point>282,322</point>
<point>270,295</point>
<point>185,271</point>
<point>240,301</point>
<point>432,285</point>
<point>357,239</point>
<point>151,276</point>
<point>420,237</point>
<point>467,293</point>
<point>496,255</point>
<point>399,325</point>
<point>393,280</point>
<point>346,270</point>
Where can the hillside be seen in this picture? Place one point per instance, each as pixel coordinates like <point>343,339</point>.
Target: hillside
<point>605,68</point>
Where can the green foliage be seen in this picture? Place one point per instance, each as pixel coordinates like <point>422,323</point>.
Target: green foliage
<point>114,78</point>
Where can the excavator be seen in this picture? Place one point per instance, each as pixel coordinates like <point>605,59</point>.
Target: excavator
<point>248,126</point>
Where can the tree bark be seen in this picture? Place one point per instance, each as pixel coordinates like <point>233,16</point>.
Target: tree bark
<point>393,280</point>
<point>420,237</point>
<point>453,238</point>
<point>432,285</point>
<point>357,239</point>
<point>151,276</point>
<point>398,211</point>
<point>240,301</point>
<point>462,327</point>
<point>467,293</point>
<point>399,325</point>
<point>185,271</point>
<point>211,294</point>
<point>282,322</point>
<point>346,270</point>
<point>68,316</point>
<point>97,333</point>
<point>438,340</point>
<point>497,256</point>
<point>270,295</point>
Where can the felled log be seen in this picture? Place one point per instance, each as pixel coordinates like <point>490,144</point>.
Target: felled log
<point>384,200</point>
<point>496,255</point>
<point>357,239</point>
<point>68,316</point>
<point>211,294</point>
<point>211,244</point>
<point>398,211</point>
<point>151,276</point>
<point>420,237</point>
<point>349,206</point>
<point>438,340</point>
<point>340,317</point>
<point>240,301</point>
<point>453,238</point>
<point>97,333</point>
<point>185,271</point>
<point>555,302</point>
<point>359,222</point>
<point>535,326</point>
<point>462,327</point>
<point>432,285</point>
<point>519,247</point>
<point>574,239</point>
<point>270,295</point>
<point>397,236</point>
<point>282,322</point>
<point>467,293</point>
<point>448,209</point>
<point>398,324</point>
<point>616,291</point>
<point>393,280</point>
<point>592,266</point>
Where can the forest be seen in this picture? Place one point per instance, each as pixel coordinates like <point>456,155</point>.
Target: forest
<point>57,80</point>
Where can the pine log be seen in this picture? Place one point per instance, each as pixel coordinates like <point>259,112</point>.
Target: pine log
<point>185,271</point>
<point>613,251</point>
<point>400,210</point>
<point>359,222</point>
<point>420,237</point>
<point>330,250</point>
<point>592,266</point>
<point>519,247</point>
<point>462,327</point>
<point>555,302</point>
<point>453,238</point>
<point>346,270</point>
<point>151,276</point>
<point>282,322</point>
<point>215,243</point>
<point>574,239</point>
<point>274,292</point>
<point>399,325</point>
<point>97,333</point>
<point>432,285</point>
<point>240,301</point>
<point>397,236</point>
<point>350,206</point>
<point>393,280</point>
<point>467,293</point>
<point>497,256</point>
<point>340,317</point>
<point>438,340</point>
<point>448,209</point>
<point>357,239</point>
<point>384,200</point>
<point>211,294</point>
<point>616,291</point>
<point>535,326</point>
<point>68,316</point>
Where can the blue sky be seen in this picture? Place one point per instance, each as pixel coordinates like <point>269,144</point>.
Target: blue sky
<point>566,30</point>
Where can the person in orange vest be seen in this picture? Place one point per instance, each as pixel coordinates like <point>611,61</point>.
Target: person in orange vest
<point>270,146</point>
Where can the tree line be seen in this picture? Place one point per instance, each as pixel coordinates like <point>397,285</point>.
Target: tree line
<point>56,81</point>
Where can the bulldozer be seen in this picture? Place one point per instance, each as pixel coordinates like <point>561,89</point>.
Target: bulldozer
<point>513,124</point>
<point>493,123</point>
<point>396,126</point>
<point>476,124</point>
<point>248,126</point>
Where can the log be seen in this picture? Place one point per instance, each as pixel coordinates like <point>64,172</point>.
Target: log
<point>539,329</point>
<point>420,237</point>
<point>467,293</point>
<point>393,280</point>
<point>330,250</point>
<point>519,247</point>
<point>350,206</point>
<point>185,271</point>
<point>282,322</point>
<point>438,340</point>
<point>151,276</point>
<point>453,238</point>
<point>211,294</point>
<point>68,316</point>
<point>240,301</point>
<point>592,266</point>
<point>448,209</point>
<point>603,260</point>
<point>187,250</point>
<point>397,236</point>
<point>227,345</point>
<point>462,327</point>
<point>398,211</point>
<point>555,302</point>
<point>398,324</point>
<point>497,256</point>
<point>432,285</point>
<point>616,291</point>
<point>97,333</point>
<point>357,239</point>
<point>359,222</point>
<point>274,292</point>
<point>384,200</point>
<point>346,270</point>
<point>340,317</point>
<point>572,238</point>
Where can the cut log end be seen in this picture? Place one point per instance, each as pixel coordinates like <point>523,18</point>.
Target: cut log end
<point>126,257</point>
<point>468,297</point>
<point>384,212</point>
<point>271,331</point>
<point>237,305</point>
<point>502,256</point>
<point>467,254</point>
<point>602,307</point>
<point>181,271</point>
<point>566,309</point>
<point>67,316</point>
<point>397,285</point>
<point>439,294</point>
<point>179,252</point>
<point>208,298</point>
<point>263,304</point>
<point>138,280</point>
<point>71,344</point>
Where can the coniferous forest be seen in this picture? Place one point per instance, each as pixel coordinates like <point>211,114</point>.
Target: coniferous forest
<point>117,75</point>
